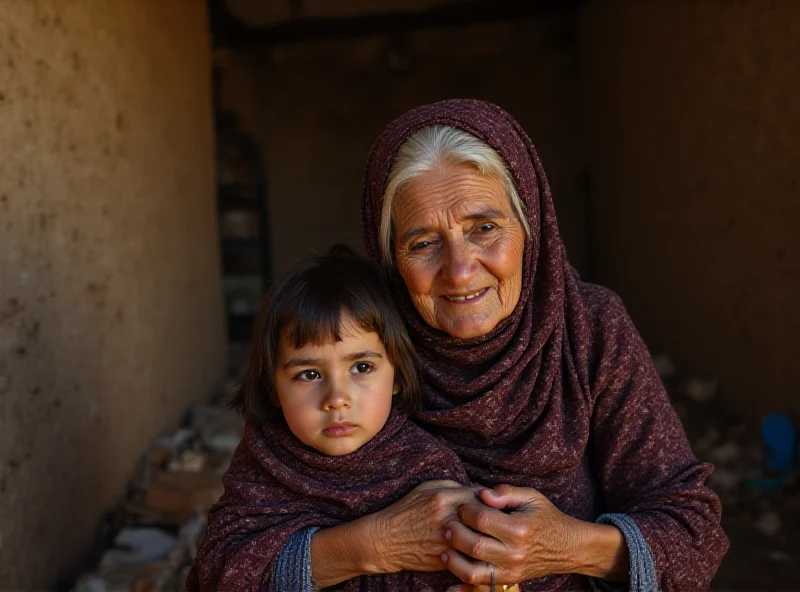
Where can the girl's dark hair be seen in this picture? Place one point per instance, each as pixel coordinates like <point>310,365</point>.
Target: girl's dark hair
<point>306,306</point>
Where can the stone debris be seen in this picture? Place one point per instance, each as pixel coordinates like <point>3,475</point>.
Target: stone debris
<point>188,461</point>
<point>780,557</point>
<point>664,366</point>
<point>769,524</point>
<point>725,453</point>
<point>141,545</point>
<point>700,390</point>
<point>724,480</point>
<point>760,504</point>
<point>148,543</point>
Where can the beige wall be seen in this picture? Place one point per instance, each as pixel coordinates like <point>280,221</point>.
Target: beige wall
<point>322,105</point>
<point>110,299</point>
<point>693,111</point>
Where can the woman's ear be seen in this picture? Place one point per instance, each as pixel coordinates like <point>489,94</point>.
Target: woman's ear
<point>396,388</point>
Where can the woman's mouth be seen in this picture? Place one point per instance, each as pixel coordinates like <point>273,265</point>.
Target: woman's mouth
<point>466,298</point>
<point>339,429</point>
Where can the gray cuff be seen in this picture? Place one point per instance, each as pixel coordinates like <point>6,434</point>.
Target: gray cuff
<point>643,577</point>
<point>293,565</point>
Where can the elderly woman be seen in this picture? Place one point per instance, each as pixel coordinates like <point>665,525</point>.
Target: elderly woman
<point>538,381</point>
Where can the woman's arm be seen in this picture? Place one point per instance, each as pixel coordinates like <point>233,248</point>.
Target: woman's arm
<point>344,552</point>
<point>600,551</point>
<point>646,472</point>
<point>643,461</point>
<point>404,536</point>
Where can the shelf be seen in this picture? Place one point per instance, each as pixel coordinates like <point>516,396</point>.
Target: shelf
<point>231,202</point>
<point>242,224</point>
<point>241,244</point>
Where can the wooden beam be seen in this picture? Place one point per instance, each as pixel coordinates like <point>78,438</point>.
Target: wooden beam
<point>227,31</point>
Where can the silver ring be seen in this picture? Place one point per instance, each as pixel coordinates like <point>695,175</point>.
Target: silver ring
<point>492,578</point>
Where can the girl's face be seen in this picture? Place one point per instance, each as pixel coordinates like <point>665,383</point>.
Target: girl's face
<point>337,396</point>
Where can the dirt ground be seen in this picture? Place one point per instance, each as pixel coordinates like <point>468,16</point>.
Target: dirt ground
<point>763,527</point>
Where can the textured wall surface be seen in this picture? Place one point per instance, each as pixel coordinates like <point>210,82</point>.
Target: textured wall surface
<point>110,298</point>
<point>694,118</point>
<point>324,103</point>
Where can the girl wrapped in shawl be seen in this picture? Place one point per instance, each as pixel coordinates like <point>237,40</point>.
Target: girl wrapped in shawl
<point>331,381</point>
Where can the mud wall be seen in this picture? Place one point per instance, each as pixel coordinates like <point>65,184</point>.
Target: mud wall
<point>110,299</point>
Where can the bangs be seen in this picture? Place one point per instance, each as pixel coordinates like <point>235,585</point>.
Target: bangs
<point>323,327</point>
<point>322,308</point>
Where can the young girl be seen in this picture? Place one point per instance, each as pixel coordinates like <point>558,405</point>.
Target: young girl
<point>332,378</point>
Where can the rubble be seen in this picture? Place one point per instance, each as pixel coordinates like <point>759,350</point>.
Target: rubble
<point>780,557</point>
<point>149,541</point>
<point>769,524</point>
<point>725,453</point>
<point>760,494</point>
<point>664,366</point>
<point>700,390</point>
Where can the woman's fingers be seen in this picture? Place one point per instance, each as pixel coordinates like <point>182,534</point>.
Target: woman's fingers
<point>408,533</point>
<point>508,497</point>
<point>474,544</point>
<point>515,529</point>
<point>494,523</point>
<point>438,484</point>
<point>475,573</point>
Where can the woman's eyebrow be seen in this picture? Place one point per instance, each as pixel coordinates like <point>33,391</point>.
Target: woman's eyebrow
<point>490,214</point>
<point>484,215</point>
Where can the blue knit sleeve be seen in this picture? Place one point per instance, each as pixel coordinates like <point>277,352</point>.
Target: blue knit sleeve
<point>293,566</point>
<point>643,577</point>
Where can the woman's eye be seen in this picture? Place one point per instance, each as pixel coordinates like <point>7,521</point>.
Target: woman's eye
<point>362,367</point>
<point>420,245</point>
<point>308,375</point>
<point>487,227</point>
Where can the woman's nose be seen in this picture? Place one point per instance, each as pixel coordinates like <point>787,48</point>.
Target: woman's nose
<point>460,263</point>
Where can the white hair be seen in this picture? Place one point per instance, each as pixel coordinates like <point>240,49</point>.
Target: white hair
<point>431,145</point>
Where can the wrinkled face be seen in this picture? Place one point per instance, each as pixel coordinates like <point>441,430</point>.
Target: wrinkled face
<point>337,396</point>
<point>458,248</point>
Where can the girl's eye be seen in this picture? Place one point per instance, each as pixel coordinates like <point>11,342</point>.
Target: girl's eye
<point>308,375</point>
<point>362,367</point>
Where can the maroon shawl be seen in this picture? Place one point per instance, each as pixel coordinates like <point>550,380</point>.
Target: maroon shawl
<point>277,486</point>
<point>561,396</point>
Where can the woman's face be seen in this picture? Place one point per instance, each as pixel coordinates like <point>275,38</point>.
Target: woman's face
<point>458,248</point>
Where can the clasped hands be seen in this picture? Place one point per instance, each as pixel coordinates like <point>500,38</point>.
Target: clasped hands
<point>514,532</point>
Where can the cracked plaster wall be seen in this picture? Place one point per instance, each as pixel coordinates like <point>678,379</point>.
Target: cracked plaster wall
<point>110,299</point>
<point>693,112</point>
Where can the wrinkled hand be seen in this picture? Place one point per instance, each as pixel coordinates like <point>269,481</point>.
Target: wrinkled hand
<point>408,534</point>
<point>531,539</point>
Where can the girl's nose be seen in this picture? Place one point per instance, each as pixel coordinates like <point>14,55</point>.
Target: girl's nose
<point>337,398</point>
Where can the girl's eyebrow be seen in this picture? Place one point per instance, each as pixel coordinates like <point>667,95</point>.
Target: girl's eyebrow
<point>294,362</point>
<point>361,354</point>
